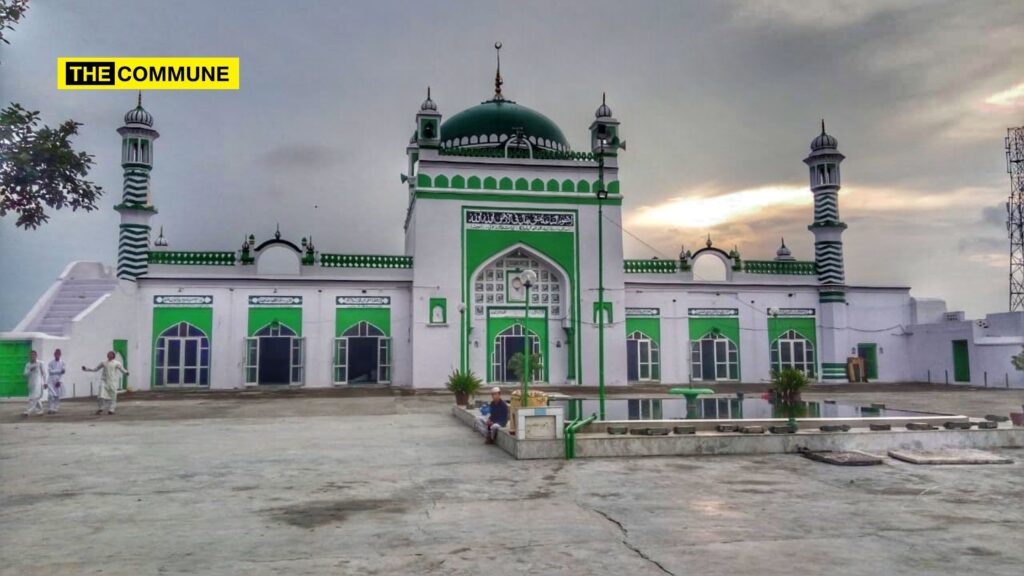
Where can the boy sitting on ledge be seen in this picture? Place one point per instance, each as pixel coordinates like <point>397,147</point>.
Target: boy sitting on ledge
<point>497,418</point>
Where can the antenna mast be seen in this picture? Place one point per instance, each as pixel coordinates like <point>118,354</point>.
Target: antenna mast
<point>1015,214</point>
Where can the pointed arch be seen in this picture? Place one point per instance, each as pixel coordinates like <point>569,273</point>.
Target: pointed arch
<point>558,298</point>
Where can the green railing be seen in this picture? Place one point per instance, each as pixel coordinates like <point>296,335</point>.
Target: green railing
<point>650,266</point>
<point>193,258</point>
<point>780,267</point>
<point>517,153</point>
<point>355,261</point>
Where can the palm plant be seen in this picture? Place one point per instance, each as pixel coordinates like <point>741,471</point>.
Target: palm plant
<point>787,385</point>
<point>464,384</point>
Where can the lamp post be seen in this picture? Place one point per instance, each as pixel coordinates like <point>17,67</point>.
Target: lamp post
<point>602,194</point>
<point>464,344</point>
<point>528,277</point>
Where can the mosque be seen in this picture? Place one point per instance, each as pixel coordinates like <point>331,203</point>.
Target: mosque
<point>513,240</point>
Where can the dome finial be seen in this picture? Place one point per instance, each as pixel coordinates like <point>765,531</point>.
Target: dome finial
<point>822,125</point>
<point>708,243</point>
<point>140,98</point>
<point>603,111</point>
<point>497,75</point>
<point>428,104</point>
<point>784,254</point>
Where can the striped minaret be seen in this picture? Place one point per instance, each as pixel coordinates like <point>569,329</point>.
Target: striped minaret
<point>136,207</point>
<point>824,162</point>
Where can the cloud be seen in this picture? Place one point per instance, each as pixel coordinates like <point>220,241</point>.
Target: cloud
<point>1011,97</point>
<point>994,215</point>
<point>706,207</point>
<point>301,156</point>
<point>819,14</point>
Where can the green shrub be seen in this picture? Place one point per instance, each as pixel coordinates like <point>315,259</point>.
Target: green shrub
<point>515,364</point>
<point>465,382</point>
<point>788,383</point>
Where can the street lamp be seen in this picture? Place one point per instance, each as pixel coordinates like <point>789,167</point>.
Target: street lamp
<point>527,279</point>
<point>464,345</point>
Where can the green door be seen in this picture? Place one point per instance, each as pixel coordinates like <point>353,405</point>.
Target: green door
<point>13,357</point>
<point>961,362</point>
<point>869,352</point>
<point>121,348</point>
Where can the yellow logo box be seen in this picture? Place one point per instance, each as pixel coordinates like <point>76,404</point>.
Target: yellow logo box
<point>147,73</point>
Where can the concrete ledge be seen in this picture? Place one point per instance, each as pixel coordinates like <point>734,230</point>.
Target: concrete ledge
<point>592,444</point>
<point>518,449</point>
<point>704,443</point>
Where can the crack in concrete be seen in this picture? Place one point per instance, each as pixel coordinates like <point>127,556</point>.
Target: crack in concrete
<point>647,558</point>
<point>625,542</point>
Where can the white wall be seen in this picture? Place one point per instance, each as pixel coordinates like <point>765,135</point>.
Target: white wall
<point>231,316</point>
<point>990,346</point>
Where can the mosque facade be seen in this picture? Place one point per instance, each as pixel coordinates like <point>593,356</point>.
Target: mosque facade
<point>513,240</point>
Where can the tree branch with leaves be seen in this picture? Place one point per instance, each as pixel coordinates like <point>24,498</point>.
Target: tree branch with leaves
<point>39,168</point>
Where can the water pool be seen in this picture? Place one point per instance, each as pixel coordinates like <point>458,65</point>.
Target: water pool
<point>719,407</point>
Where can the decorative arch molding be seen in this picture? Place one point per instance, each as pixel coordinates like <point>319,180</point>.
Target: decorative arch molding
<point>563,278</point>
<point>712,252</point>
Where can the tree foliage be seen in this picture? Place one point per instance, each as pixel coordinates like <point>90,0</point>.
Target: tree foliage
<point>1018,360</point>
<point>39,168</point>
<point>518,360</point>
<point>11,12</point>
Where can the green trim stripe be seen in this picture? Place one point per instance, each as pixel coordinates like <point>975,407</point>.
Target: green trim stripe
<point>192,258</point>
<point>534,198</point>
<point>369,261</point>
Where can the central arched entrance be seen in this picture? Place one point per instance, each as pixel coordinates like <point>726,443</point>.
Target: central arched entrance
<point>509,342</point>
<point>497,312</point>
<point>362,355</point>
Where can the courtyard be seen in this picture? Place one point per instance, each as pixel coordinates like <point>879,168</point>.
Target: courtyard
<point>390,483</point>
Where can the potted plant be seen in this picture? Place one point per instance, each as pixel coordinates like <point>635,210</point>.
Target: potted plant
<point>464,384</point>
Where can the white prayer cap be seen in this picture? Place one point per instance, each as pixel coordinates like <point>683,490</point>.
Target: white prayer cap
<point>495,390</point>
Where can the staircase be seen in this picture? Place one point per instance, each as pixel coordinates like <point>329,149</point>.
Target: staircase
<point>72,297</point>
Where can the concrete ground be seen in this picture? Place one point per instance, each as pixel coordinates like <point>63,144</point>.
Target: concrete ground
<point>392,484</point>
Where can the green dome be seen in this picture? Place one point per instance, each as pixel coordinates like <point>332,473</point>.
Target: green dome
<point>493,122</point>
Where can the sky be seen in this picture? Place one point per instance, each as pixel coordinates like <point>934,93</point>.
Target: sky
<point>718,102</point>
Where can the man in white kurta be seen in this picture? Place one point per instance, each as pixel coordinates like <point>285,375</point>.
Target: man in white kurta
<point>110,376</point>
<point>35,371</point>
<point>54,382</point>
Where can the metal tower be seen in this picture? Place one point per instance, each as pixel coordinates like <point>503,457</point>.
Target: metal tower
<point>1015,214</point>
